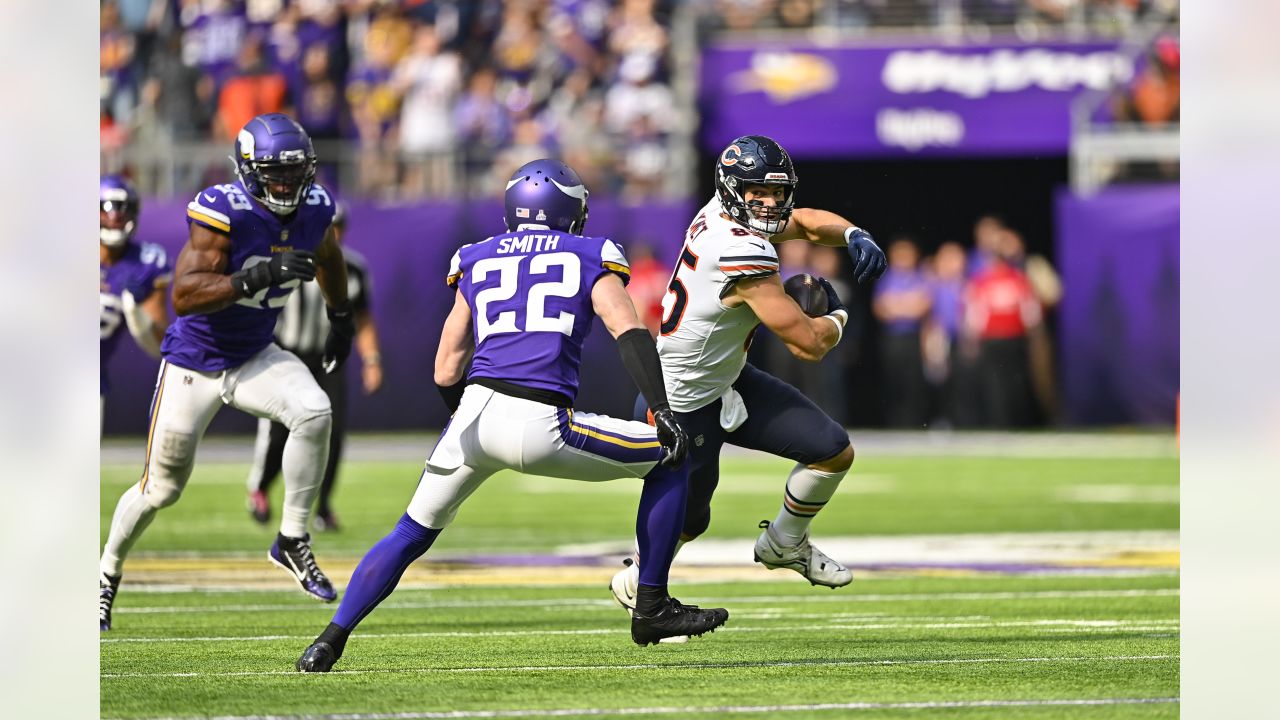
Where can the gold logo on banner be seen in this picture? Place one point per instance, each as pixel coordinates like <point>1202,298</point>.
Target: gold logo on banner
<point>786,76</point>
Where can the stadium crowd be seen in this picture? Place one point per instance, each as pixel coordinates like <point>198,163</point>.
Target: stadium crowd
<point>438,97</point>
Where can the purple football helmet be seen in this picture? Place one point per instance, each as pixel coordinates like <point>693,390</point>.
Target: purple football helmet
<point>275,162</point>
<point>118,207</point>
<point>546,193</point>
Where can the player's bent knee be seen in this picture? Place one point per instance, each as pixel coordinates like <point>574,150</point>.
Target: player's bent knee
<point>840,462</point>
<point>314,424</point>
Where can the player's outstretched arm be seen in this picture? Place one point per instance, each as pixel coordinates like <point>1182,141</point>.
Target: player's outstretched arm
<point>200,282</point>
<point>807,338</point>
<point>639,354</point>
<point>827,228</point>
<point>331,271</point>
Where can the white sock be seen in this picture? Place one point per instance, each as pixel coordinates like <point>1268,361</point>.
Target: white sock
<point>302,464</point>
<point>808,490</point>
<point>133,515</point>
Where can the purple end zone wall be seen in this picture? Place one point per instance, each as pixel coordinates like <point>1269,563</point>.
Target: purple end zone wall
<point>1118,338</point>
<point>408,249</point>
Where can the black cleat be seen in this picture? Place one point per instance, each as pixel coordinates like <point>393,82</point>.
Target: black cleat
<point>674,620</point>
<point>107,587</point>
<point>319,658</point>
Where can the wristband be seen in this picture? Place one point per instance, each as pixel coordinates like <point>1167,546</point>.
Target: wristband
<point>838,318</point>
<point>849,231</point>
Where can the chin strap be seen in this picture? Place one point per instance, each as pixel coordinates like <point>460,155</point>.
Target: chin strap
<point>140,324</point>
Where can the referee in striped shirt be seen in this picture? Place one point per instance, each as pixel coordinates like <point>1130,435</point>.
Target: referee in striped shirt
<point>302,329</point>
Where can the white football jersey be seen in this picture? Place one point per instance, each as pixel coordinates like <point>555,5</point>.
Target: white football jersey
<point>703,344</point>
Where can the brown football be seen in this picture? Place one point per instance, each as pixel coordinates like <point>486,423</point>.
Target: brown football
<point>807,293</point>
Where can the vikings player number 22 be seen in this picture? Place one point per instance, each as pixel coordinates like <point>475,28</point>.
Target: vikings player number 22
<point>508,269</point>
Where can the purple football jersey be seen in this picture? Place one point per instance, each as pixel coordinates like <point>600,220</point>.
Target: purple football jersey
<point>145,262</point>
<point>229,337</point>
<point>530,298</point>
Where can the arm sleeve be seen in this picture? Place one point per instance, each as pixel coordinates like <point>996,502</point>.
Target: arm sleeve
<point>640,357</point>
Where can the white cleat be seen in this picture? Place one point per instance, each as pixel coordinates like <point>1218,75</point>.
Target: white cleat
<point>804,558</point>
<point>625,584</point>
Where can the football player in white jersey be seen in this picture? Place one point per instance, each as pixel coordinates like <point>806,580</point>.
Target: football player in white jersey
<point>724,286</point>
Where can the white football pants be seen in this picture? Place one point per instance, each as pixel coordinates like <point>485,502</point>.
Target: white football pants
<point>273,384</point>
<point>492,431</point>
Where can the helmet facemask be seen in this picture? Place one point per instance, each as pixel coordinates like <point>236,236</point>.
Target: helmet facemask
<point>756,215</point>
<point>280,184</point>
<point>114,211</point>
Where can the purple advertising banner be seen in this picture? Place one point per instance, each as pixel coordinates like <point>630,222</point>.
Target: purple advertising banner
<point>926,99</point>
<point>1118,253</point>
<point>408,251</point>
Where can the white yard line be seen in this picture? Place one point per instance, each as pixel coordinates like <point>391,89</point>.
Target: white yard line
<point>611,604</point>
<point>721,710</point>
<point>1095,625</point>
<point>683,666</point>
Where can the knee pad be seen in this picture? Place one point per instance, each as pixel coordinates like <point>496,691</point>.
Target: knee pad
<point>174,456</point>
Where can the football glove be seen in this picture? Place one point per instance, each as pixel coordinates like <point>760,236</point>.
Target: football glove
<point>672,437</point>
<point>337,346</point>
<point>834,303</point>
<point>868,259</point>
<point>283,267</point>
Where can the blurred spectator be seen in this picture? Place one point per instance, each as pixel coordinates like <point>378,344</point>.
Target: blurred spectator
<point>482,126</point>
<point>185,98</point>
<point>253,89</point>
<point>430,80</point>
<point>988,235</point>
<point>902,302</point>
<point>648,284</point>
<point>317,98</point>
<point>637,34</point>
<point>213,31</point>
<point>644,161</point>
<point>1047,287</point>
<point>1154,97</point>
<point>518,43</point>
<point>636,95</point>
<point>1001,312</point>
<point>116,66</point>
<point>374,100</point>
<point>949,362</point>
<point>797,13</point>
<point>743,14</point>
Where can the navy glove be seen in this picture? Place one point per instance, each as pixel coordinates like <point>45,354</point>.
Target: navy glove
<point>337,346</point>
<point>281,268</point>
<point>672,437</point>
<point>834,303</point>
<point>868,259</point>
<point>140,286</point>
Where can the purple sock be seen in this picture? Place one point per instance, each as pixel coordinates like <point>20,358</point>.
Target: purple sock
<point>381,568</point>
<point>659,520</point>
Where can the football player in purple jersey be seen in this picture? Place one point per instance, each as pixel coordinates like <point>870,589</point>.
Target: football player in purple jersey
<point>524,302</point>
<point>132,276</point>
<point>250,244</point>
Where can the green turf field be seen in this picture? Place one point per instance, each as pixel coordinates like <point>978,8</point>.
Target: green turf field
<point>205,628</point>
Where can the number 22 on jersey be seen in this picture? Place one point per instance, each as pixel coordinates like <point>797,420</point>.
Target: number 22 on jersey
<point>536,294</point>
